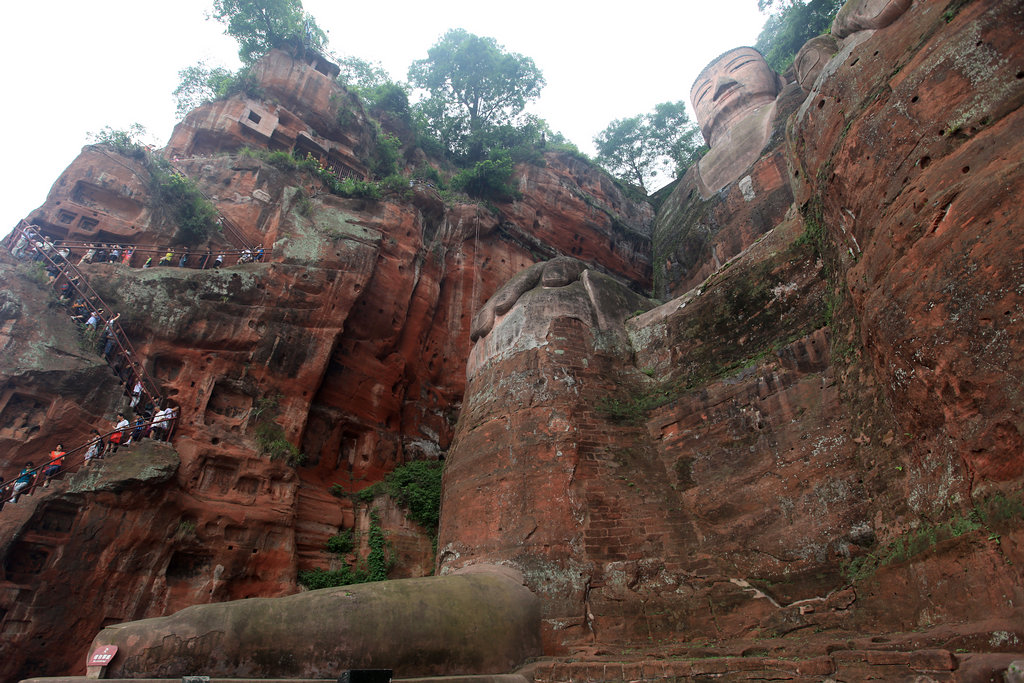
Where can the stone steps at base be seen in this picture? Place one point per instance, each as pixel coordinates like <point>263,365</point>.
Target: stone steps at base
<point>492,678</point>
<point>917,666</point>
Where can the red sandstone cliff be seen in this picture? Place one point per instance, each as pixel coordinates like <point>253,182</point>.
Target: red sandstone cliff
<point>357,328</point>
<point>820,434</point>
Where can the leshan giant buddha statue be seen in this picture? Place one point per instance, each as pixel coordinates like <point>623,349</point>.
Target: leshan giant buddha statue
<point>734,99</point>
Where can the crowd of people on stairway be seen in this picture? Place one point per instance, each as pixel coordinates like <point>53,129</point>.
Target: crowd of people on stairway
<point>31,244</point>
<point>145,423</point>
<point>99,330</point>
<point>150,415</point>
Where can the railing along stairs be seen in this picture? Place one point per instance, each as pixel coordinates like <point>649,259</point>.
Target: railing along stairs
<point>71,460</point>
<point>22,241</point>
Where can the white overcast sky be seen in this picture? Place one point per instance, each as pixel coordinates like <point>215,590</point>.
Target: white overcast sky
<point>72,67</point>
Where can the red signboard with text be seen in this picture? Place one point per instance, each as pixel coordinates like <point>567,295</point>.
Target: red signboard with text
<point>101,656</point>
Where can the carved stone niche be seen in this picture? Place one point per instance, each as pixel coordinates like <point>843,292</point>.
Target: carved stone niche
<point>22,415</point>
<point>167,368</point>
<point>187,564</point>
<point>26,559</point>
<point>229,405</point>
<point>55,518</point>
<point>218,475</point>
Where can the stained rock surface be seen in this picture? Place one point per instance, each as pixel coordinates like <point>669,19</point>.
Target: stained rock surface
<point>820,432</point>
<point>351,336</point>
<point>796,463</point>
<point>478,623</point>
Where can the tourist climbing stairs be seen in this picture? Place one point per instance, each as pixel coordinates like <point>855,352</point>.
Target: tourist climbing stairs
<point>72,460</point>
<point>121,355</point>
<point>66,278</point>
<point>61,259</point>
<point>148,255</point>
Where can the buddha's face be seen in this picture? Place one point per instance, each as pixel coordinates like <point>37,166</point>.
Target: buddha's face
<point>729,87</point>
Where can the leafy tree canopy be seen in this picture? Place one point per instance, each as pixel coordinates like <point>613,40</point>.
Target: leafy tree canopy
<point>359,74</point>
<point>636,149</point>
<point>261,25</point>
<point>472,84</point>
<point>374,86</point>
<point>127,141</point>
<point>489,178</point>
<point>791,24</point>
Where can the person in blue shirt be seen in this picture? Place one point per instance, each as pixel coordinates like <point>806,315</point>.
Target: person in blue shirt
<point>23,481</point>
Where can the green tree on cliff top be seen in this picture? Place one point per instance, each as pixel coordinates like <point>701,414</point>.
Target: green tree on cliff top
<point>360,75</point>
<point>792,23</point>
<point>472,85</point>
<point>637,148</point>
<point>199,84</point>
<point>373,84</point>
<point>258,26</point>
<point>261,25</point>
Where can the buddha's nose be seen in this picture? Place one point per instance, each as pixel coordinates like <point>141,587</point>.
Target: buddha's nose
<point>724,84</point>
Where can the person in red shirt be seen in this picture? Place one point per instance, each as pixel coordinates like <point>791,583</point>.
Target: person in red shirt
<point>56,462</point>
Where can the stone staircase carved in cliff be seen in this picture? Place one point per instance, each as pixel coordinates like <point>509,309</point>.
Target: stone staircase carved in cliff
<point>73,460</point>
<point>917,666</point>
<point>122,358</point>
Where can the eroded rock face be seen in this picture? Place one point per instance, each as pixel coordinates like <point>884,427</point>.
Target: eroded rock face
<point>867,15</point>
<point>550,354</point>
<point>304,111</point>
<point>60,582</point>
<point>352,337</point>
<point>931,264</point>
<point>821,433</point>
<point>102,196</point>
<point>55,387</point>
<point>604,514</point>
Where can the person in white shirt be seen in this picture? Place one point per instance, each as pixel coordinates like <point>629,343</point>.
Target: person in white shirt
<point>136,393</point>
<point>115,439</point>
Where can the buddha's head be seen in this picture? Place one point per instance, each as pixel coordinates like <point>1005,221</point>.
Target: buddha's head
<point>736,83</point>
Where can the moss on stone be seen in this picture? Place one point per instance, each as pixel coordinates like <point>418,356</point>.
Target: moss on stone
<point>145,463</point>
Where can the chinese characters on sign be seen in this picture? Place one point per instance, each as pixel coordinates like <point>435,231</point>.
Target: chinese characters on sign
<point>102,655</point>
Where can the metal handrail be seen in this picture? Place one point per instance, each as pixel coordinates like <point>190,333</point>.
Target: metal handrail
<point>206,256</point>
<point>77,281</point>
<point>147,248</point>
<point>35,471</point>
